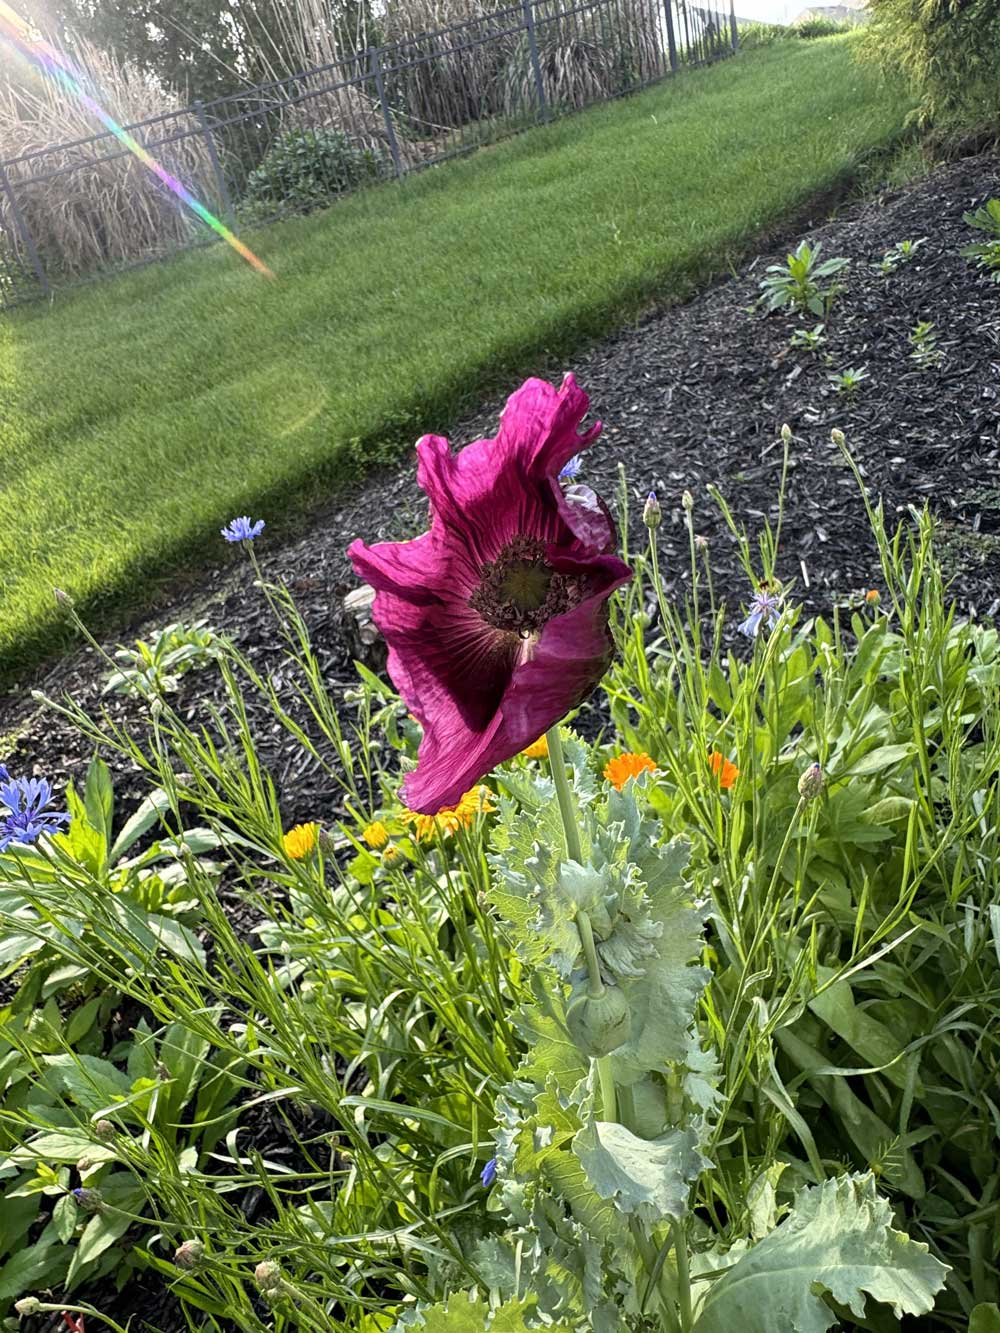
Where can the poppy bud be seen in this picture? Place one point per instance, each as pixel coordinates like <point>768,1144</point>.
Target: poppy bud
<point>599,1024</point>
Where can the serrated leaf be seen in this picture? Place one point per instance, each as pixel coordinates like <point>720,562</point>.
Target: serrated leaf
<point>663,1000</point>
<point>649,1177</point>
<point>837,1239</point>
<point>465,1312</point>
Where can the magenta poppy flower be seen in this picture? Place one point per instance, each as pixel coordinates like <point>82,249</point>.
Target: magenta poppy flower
<point>496,618</point>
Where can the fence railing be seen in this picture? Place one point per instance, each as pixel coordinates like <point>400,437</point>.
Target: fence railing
<point>75,211</point>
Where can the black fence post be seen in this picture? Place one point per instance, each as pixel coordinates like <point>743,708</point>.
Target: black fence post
<point>529,23</point>
<point>23,232</point>
<point>375,60</point>
<point>668,11</point>
<point>732,25</point>
<point>213,157</point>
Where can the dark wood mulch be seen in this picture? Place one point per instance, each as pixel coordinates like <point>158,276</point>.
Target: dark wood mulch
<point>690,396</point>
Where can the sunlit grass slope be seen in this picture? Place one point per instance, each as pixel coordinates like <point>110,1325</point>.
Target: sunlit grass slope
<point>141,413</point>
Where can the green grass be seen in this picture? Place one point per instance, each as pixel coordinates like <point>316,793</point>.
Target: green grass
<point>142,413</point>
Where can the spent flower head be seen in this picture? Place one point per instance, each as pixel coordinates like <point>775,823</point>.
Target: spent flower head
<point>243,529</point>
<point>27,814</point>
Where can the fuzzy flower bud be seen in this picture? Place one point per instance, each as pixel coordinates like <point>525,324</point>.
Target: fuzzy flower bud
<point>786,433</point>
<point>392,855</point>
<point>105,1131</point>
<point>811,783</point>
<point>189,1254</point>
<point>687,500</point>
<point>652,514</point>
<point>63,598</point>
<point>28,1306</point>
<point>89,1199</point>
<point>267,1275</point>
<point>838,437</point>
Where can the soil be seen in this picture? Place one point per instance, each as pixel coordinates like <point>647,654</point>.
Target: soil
<point>690,396</point>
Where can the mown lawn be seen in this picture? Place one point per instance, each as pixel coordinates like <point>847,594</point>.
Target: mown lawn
<point>140,414</point>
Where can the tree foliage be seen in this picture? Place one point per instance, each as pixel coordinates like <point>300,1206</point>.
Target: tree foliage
<point>949,50</point>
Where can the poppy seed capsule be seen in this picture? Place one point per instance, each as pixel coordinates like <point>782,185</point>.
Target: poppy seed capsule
<point>599,1024</point>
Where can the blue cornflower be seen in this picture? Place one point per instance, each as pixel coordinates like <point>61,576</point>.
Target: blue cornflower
<point>489,1173</point>
<point>765,609</point>
<point>570,470</point>
<point>27,817</point>
<point>242,529</point>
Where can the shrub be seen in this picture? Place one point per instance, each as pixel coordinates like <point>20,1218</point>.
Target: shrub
<point>305,169</point>
<point>949,50</point>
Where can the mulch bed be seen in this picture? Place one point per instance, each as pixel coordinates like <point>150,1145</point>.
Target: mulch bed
<point>690,396</point>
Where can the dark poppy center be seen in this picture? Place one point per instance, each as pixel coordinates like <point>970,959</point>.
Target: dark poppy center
<point>519,591</point>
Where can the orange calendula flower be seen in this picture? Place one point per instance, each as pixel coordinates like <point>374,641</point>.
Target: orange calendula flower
<point>301,840</point>
<point>625,766</point>
<point>452,817</point>
<point>537,749</point>
<point>726,772</point>
<point>376,835</point>
<point>873,596</point>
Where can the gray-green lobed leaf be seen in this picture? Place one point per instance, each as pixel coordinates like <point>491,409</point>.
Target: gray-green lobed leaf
<point>649,1177</point>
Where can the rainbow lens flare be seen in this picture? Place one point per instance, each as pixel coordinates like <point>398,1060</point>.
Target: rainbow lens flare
<point>56,66</point>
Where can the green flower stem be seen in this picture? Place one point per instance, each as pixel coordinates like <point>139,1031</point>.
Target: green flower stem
<point>679,1236</point>
<point>595,982</point>
<point>609,1094</point>
<point>564,795</point>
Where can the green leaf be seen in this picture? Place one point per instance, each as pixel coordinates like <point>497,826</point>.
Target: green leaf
<point>66,1147</point>
<point>87,1080</point>
<point>141,822</point>
<point>837,1239</point>
<point>36,1266</point>
<point>876,760</point>
<point>872,1040</point>
<point>466,1312</point>
<point>101,1232</point>
<point>650,1177</point>
<point>985,1319</point>
<point>99,799</point>
<point>65,1216</point>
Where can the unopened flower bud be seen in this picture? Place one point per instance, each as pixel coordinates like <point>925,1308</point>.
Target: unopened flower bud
<point>27,1306</point>
<point>652,514</point>
<point>189,1254</point>
<point>786,433</point>
<point>105,1130</point>
<point>90,1200</point>
<point>267,1275</point>
<point>838,437</point>
<point>687,500</point>
<point>392,855</point>
<point>873,597</point>
<point>63,598</point>
<point>85,1164</point>
<point>811,783</point>
<point>599,1024</point>
<point>327,842</point>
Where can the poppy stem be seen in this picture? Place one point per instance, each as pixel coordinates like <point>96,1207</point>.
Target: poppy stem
<point>564,795</point>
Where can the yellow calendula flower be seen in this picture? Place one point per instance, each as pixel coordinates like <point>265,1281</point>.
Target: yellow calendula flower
<point>376,835</point>
<point>624,766</point>
<point>452,817</point>
<point>537,749</point>
<point>299,841</point>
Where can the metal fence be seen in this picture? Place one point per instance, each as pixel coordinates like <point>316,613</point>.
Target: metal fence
<point>76,211</point>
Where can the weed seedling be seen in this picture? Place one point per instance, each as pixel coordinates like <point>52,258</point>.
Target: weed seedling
<point>985,253</point>
<point>901,253</point>
<point>923,345</point>
<point>848,381</point>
